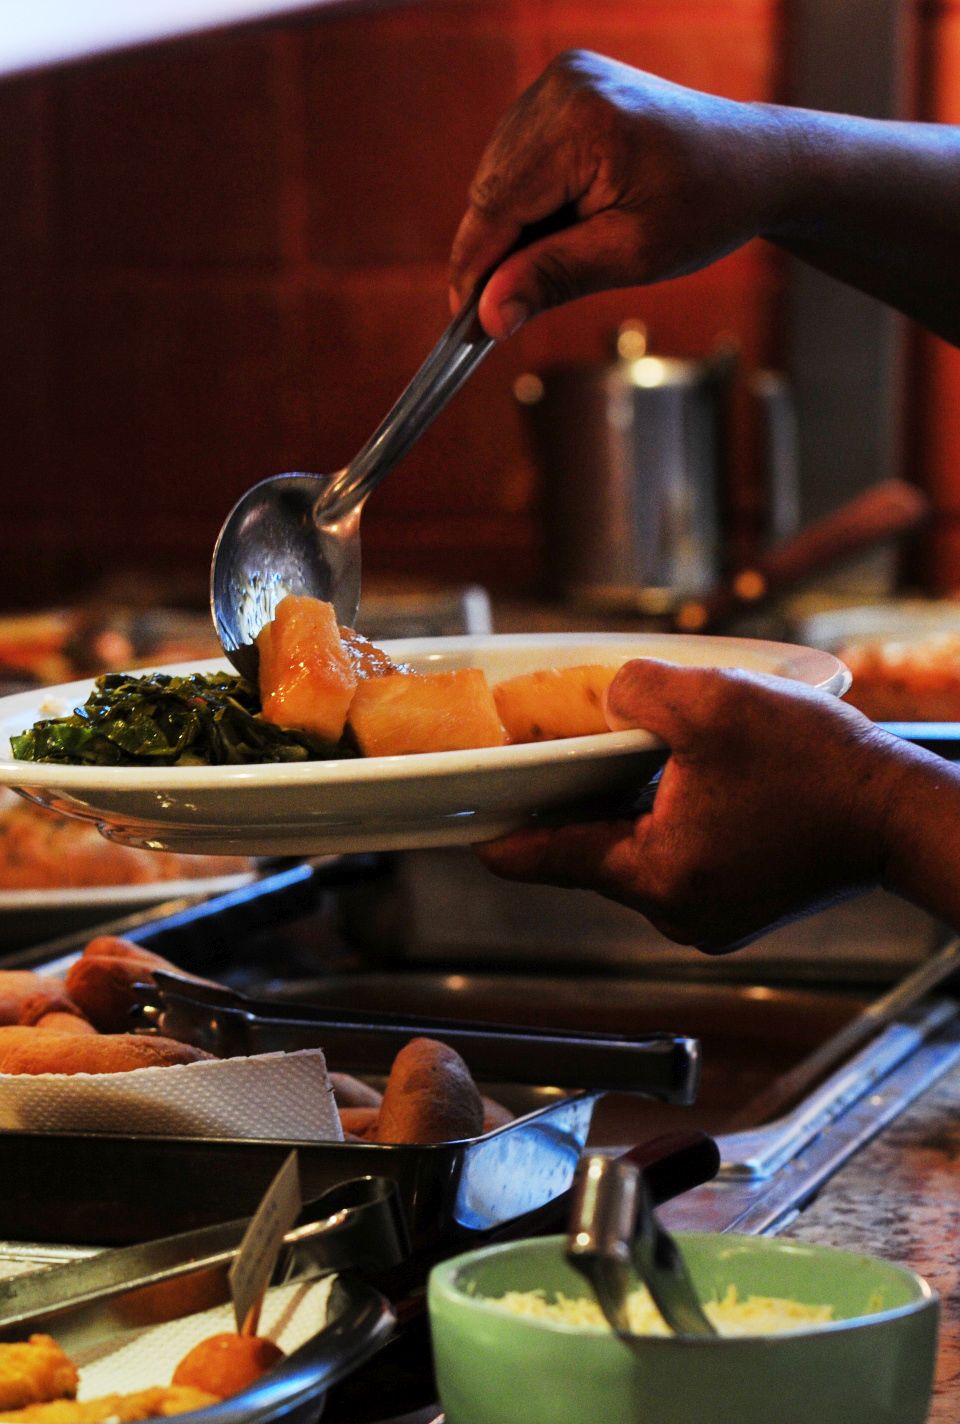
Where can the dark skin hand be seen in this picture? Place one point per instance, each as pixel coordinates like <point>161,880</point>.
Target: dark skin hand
<point>665,180</point>
<point>775,799</point>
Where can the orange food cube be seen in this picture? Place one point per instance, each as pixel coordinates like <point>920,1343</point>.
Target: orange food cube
<point>307,679</point>
<point>554,702</point>
<point>432,712</point>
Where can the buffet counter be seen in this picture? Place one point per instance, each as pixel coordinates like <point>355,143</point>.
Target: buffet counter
<point>899,1198</point>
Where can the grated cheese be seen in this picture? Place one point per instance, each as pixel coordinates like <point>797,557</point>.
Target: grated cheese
<point>753,1315</point>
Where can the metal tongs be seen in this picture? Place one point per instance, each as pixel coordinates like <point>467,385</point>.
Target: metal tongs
<point>357,1225</point>
<point>224,1022</point>
<point>615,1240</point>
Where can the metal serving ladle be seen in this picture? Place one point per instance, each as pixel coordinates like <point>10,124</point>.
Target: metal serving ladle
<point>300,533</point>
<point>614,1238</point>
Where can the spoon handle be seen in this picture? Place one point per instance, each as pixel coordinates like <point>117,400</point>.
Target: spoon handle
<point>452,361</point>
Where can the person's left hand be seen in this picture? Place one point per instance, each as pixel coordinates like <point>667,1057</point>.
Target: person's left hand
<point>773,800</point>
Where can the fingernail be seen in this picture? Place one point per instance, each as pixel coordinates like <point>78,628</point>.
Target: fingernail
<point>513,315</point>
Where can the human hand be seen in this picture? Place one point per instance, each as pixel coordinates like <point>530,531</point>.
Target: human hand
<point>663,180</point>
<point>774,799</point>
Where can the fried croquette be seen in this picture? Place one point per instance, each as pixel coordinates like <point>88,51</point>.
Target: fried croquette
<point>33,1371</point>
<point>159,1403</point>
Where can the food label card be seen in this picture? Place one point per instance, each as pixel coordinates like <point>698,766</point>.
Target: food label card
<point>262,1240</point>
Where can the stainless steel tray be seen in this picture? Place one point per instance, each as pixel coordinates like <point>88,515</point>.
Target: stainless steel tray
<point>109,1299</point>
<point>358,1326</point>
<point>108,1189</point>
<point>112,1189</point>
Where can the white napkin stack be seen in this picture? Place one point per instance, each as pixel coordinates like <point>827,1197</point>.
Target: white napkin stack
<point>272,1095</point>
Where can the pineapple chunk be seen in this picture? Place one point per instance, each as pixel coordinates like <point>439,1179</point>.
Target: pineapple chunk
<point>307,679</point>
<point>554,702</point>
<point>435,712</point>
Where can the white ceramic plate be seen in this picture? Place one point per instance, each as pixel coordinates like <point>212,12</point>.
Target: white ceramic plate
<point>385,803</point>
<point>899,620</point>
<point>33,916</point>
<point>120,899</point>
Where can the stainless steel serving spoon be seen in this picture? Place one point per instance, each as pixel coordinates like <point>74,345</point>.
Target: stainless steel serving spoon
<point>300,533</point>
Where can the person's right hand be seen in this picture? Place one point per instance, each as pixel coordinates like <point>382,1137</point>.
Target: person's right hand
<point>663,180</point>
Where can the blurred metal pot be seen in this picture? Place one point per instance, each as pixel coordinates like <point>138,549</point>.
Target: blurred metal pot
<point>631,452</point>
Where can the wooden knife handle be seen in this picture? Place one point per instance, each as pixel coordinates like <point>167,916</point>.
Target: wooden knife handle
<point>883,512</point>
<point>675,1162</point>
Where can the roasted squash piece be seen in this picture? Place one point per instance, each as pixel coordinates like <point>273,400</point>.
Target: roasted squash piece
<point>554,702</point>
<point>307,678</point>
<point>434,712</point>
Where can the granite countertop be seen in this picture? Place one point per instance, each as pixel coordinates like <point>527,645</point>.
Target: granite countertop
<point>899,1198</point>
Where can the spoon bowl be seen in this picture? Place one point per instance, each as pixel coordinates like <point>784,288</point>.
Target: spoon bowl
<point>300,533</point>
<point>272,543</point>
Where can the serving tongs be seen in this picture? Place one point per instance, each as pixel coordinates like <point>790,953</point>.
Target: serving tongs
<point>228,1024</point>
<point>356,1226</point>
<point>616,1242</point>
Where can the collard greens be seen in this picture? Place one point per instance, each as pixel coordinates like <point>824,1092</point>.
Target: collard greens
<point>201,719</point>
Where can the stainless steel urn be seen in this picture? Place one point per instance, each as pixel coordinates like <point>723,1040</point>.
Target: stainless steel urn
<point>631,455</point>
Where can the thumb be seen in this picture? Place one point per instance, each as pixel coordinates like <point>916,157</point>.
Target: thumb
<point>588,855</point>
<point>667,699</point>
<point>592,256</point>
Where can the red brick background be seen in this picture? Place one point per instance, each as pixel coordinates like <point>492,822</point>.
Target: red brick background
<point>223,258</point>
<point>933,458</point>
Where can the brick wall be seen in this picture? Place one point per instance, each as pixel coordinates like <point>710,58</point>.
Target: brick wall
<point>933,458</point>
<point>223,258</point>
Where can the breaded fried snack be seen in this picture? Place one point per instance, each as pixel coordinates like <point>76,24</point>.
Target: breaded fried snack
<point>54,1011</point>
<point>17,986</point>
<point>430,1096</point>
<point>102,982</point>
<point>162,1402</point>
<point>227,1363</point>
<point>26,1050</point>
<point>35,1370</point>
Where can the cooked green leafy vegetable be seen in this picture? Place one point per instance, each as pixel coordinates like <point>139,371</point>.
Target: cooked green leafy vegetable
<point>201,719</point>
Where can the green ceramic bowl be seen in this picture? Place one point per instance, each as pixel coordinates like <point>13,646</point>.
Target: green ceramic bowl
<point>873,1364</point>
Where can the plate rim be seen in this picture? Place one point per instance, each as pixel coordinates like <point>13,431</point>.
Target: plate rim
<point>826,672</point>
<point>83,897</point>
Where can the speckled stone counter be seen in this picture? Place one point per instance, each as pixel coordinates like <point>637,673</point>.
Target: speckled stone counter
<point>900,1199</point>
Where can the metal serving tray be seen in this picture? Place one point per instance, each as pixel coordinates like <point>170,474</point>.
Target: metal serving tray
<point>114,1189</point>
<point>108,1189</point>
<point>109,1300</point>
<point>358,1326</point>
